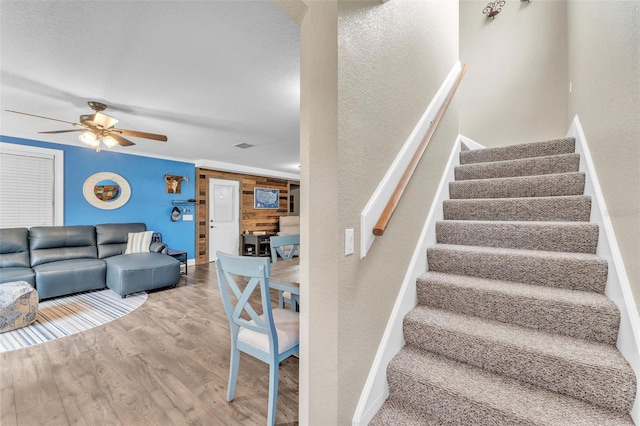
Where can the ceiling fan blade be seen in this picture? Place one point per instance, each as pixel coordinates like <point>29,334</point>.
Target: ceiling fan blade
<point>122,141</point>
<point>135,133</point>
<point>63,131</point>
<point>46,118</point>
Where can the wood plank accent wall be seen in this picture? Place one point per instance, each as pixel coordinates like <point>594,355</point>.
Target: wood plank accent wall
<point>250,219</point>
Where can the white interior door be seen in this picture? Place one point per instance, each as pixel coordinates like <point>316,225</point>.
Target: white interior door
<point>224,217</point>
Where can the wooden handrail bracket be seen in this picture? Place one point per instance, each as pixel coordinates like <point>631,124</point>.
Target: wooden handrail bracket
<point>386,214</point>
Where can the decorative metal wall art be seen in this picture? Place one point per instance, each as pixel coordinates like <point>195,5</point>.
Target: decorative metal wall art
<point>493,8</point>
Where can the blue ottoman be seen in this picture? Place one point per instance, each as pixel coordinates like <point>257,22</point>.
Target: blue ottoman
<point>18,305</point>
<point>130,273</point>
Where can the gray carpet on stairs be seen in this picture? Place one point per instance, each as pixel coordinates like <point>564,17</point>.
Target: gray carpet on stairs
<point>581,314</point>
<point>512,325</point>
<point>564,163</point>
<point>576,271</point>
<point>519,186</point>
<point>514,152</point>
<point>570,208</point>
<point>577,237</point>
<point>593,372</point>
<point>461,394</point>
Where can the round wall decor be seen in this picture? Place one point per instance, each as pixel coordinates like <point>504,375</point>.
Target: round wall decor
<point>106,190</point>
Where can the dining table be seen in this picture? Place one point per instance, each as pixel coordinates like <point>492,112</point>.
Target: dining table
<point>285,276</point>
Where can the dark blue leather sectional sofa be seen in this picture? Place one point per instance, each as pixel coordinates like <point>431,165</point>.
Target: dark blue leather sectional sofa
<point>61,260</point>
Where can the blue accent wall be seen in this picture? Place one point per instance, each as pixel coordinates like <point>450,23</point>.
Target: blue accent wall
<point>149,202</point>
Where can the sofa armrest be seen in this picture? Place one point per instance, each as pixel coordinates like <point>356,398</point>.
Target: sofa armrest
<point>159,248</point>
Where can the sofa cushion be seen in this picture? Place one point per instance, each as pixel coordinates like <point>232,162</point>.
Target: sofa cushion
<point>69,276</point>
<point>130,273</point>
<point>138,242</point>
<point>112,237</point>
<point>14,248</point>
<point>18,274</point>
<point>55,243</point>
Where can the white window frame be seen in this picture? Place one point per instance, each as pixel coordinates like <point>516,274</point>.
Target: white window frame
<point>58,171</point>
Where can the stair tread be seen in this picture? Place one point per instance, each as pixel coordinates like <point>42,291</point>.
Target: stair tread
<point>439,383</point>
<point>525,150</point>
<point>551,164</point>
<point>558,184</point>
<point>589,300</point>
<point>582,314</point>
<point>530,235</point>
<point>575,208</point>
<point>579,351</point>
<point>526,223</point>
<point>522,252</point>
<point>580,271</point>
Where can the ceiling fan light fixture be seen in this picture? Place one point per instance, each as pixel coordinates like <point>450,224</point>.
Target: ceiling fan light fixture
<point>109,141</point>
<point>89,138</point>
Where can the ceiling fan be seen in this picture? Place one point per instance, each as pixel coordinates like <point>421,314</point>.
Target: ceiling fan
<point>99,127</point>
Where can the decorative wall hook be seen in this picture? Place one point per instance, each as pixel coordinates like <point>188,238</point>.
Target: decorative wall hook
<point>493,8</point>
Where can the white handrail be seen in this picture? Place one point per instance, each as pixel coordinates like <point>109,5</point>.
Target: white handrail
<point>384,192</point>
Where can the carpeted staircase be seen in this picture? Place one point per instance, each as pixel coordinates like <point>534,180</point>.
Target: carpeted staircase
<point>512,326</point>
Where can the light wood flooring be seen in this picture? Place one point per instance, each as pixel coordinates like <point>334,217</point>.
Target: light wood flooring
<point>166,363</point>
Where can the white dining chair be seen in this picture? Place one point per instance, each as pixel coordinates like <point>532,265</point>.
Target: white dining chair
<point>271,337</point>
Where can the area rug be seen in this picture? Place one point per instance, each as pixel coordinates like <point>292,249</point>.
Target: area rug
<point>69,315</point>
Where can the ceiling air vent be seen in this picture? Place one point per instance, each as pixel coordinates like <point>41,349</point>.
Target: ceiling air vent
<point>243,145</point>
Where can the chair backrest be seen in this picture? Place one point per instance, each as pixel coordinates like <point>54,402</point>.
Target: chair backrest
<point>230,269</point>
<point>285,246</point>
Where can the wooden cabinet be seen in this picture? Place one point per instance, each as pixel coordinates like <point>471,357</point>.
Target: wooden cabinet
<point>255,245</point>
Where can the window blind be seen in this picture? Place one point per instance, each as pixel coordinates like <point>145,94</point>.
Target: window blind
<point>27,189</point>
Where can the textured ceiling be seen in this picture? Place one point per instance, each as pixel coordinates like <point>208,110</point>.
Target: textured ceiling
<point>208,74</point>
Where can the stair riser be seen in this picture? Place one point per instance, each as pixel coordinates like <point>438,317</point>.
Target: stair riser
<point>528,167</point>
<point>552,316</point>
<point>551,272</point>
<point>456,409</point>
<point>400,412</point>
<point>582,238</point>
<point>530,186</point>
<point>539,149</point>
<point>603,387</point>
<point>572,209</point>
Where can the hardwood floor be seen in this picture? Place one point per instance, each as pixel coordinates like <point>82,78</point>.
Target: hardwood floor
<point>166,363</point>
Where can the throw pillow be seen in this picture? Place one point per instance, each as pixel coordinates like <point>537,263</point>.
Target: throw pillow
<point>138,242</point>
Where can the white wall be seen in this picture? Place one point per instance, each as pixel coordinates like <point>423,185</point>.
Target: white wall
<point>392,58</point>
<point>604,67</point>
<point>521,66</point>
<point>516,87</point>
<point>319,214</point>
